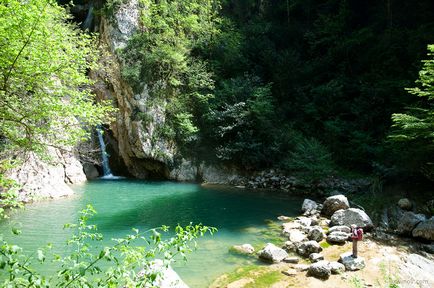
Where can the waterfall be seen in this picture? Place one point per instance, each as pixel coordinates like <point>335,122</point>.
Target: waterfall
<point>89,18</point>
<point>105,161</point>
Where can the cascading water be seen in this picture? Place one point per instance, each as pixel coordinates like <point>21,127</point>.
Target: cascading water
<point>107,173</point>
<point>87,24</point>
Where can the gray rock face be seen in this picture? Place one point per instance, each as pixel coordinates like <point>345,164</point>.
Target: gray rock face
<point>308,206</point>
<point>307,248</point>
<point>344,229</point>
<point>405,204</point>
<point>315,233</point>
<point>320,270</point>
<point>416,268</point>
<point>336,267</point>
<point>408,222</point>
<point>425,229</point>
<point>272,253</point>
<point>166,276</point>
<point>352,216</point>
<point>338,237</point>
<point>42,180</point>
<point>394,214</point>
<point>243,249</point>
<point>350,263</point>
<point>315,257</point>
<point>333,204</point>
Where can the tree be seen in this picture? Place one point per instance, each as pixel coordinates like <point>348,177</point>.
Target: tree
<point>45,97</point>
<point>416,127</point>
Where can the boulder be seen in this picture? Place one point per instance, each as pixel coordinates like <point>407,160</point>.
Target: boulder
<point>425,230</point>
<point>287,227</point>
<point>336,267</point>
<point>296,236</point>
<point>308,206</point>
<point>338,237</point>
<point>320,270</point>
<point>394,214</point>
<point>405,204</point>
<point>408,222</point>
<point>333,204</point>
<point>292,260</point>
<point>315,233</point>
<point>344,229</point>
<point>243,249</point>
<point>284,218</point>
<point>352,216</point>
<point>289,246</point>
<point>272,253</point>
<point>164,276</point>
<point>307,248</point>
<point>303,221</point>
<point>315,257</point>
<point>350,263</point>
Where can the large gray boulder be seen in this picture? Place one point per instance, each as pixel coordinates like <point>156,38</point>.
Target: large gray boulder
<point>307,248</point>
<point>308,206</point>
<point>425,230</point>
<point>320,270</point>
<point>350,263</point>
<point>272,253</point>
<point>315,233</point>
<point>408,222</point>
<point>333,204</point>
<point>338,237</point>
<point>344,229</point>
<point>352,216</point>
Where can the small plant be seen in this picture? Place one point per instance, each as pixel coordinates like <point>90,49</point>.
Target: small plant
<point>127,263</point>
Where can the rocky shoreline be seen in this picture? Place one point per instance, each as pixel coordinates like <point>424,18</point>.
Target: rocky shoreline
<point>318,247</point>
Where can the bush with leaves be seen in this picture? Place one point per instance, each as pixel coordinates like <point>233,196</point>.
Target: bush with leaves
<point>126,263</point>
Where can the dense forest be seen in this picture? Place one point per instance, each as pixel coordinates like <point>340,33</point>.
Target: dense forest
<point>299,85</point>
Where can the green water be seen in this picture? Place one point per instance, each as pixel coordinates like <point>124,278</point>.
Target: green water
<point>238,214</point>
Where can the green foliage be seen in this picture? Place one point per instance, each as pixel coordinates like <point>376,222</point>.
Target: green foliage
<point>44,92</point>
<point>126,263</point>
<point>8,189</point>
<point>310,158</point>
<point>415,128</point>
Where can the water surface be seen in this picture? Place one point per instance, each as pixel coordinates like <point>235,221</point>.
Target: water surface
<point>123,204</point>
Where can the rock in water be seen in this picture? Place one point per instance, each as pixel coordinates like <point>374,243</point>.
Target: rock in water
<point>333,204</point>
<point>166,277</point>
<point>352,216</point>
<point>272,253</point>
<point>405,204</point>
<point>425,229</point>
<point>408,221</point>
<point>243,249</point>
<point>320,270</point>
<point>350,263</point>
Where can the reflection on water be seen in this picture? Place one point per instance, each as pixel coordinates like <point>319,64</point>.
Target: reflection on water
<point>121,205</point>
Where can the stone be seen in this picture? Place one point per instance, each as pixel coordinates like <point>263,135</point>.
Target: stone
<point>344,229</point>
<point>315,257</point>
<point>394,214</point>
<point>352,216</point>
<point>425,230</point>
<point>166,276</point>
<point>333,204</point>
<point>289,226</point>
<point>308,205</point>
<point>290,272</point>
<point>428,248</point>
<point>303,221</point>
<point>336,267</point>
<point>272,253</point>
<point>408,222</point>
<point>90,171</point>
<point>292,260</point>
<point>307,248</point>
<point>296,236</point>
<point>315,233</point>
<point>301,267</point>
<point>289,246</point>
<point>320,270</point>
<point>284,218</point>
<point>338,237</point>
<point>350,263</point>
<point>405,204</point>
<point>243,249</point>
